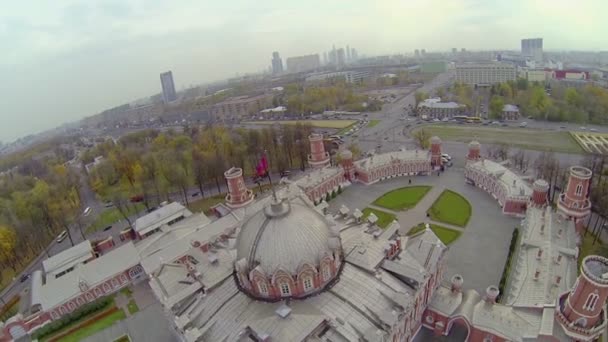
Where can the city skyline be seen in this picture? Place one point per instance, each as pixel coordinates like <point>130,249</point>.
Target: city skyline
<point>73,60</point>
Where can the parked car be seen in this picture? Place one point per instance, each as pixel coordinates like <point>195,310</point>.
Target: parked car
<point>108,204</point>
<point>196,194</point>
<point>87,211</point>
<point>446,156</point>
<point>137,198</point>
<point>285,173</point>
<point>583,128</point>
<point>523,124</point>
<point>24,277</point>
<point>62,236</point>
<point>107,228</point>
<point>593,129</point>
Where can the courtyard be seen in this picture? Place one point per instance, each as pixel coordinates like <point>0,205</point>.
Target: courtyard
<point>480,246</point>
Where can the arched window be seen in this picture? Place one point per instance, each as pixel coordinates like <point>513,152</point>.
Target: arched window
<point>326,273</point>
<point>591,301</point>
<point>285,290</point>
<point>262,288</point>
<point>579,190</point>
<point>307,284</point>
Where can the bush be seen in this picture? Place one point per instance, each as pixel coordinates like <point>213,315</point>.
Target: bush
<point>339,189</point>
<point>327,197</point>
<point>507,268</point>
<point>333,194</point>
<point>75,316</point>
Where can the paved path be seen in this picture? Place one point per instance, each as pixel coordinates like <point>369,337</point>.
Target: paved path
<point>479,254</point>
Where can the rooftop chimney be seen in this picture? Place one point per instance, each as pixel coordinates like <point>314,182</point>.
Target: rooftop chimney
<point>457,282</point>
<point>537,274</point>
<point>491,294</point>
<point>539,254</point>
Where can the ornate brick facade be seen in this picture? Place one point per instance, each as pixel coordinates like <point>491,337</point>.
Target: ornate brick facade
<point>318,157</point>
<point>574,202</point>
<point>238,194</point>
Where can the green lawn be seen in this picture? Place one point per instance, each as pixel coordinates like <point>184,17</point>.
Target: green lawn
<point>132,306</point>
<point>446,235</point>
<point>95,327</point>
<point>204,205</point>
<point>451,208</point>
<point>111,216</point>
<point>533,139</point>
<point>346,129</point>
<point>373,123</point>
<point>402,198</point>
<point>384,218</point>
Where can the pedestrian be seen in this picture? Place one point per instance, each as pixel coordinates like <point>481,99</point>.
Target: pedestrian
<point>409,181</point>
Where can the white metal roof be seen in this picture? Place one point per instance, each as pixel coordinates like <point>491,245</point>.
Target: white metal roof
<point>513,184</point>
<point>510,108</point>
<point>70,257</point>
<point>318,176</point>
<point>93,273</point>
<point>160,216</point>
<point>382,159</point>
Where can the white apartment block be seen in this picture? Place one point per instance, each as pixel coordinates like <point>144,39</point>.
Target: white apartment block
<point>486,73</point>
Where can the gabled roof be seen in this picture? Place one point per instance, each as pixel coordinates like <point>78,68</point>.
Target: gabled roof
<point>68,258</point>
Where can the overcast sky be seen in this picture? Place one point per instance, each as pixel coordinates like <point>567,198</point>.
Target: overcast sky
<point>63,60</point>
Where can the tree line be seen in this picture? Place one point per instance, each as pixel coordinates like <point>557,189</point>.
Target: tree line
<point>551,102</point>
<point>152,164</point>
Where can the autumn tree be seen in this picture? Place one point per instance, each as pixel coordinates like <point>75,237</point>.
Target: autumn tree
<point>422,138</point>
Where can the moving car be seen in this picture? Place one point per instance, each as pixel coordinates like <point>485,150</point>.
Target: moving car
<point>24,278</point>
<point>446,156</point>
<point>62,236</point>
<point>87,211</point>
<point>523,124</point>
<point>107,228</point>
<point>196,194</point>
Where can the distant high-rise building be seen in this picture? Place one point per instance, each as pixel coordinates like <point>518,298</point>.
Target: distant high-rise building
<point>463,50</point>
<point>485,73</point>
<point>166,82</point>
<point>347,53</point>
<point>423,52</point>
<point>303,63</point>
<point>532,48</point>
<point>417,53</point>
<point>353,54</point>
<point>277,63</point>
<point>454,50</point>
<point>325,61</point>
<point>341,57</point>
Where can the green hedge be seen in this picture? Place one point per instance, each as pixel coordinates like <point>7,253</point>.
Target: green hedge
<point>71,318</point>
<point>507,269</point>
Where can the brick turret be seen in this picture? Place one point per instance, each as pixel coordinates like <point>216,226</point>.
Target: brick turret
<point>238,194</point>
<point>317,157</point>
<point>436,152</point>
<point>580,311</point>
<point>574,202</point>
<point>540,188</point>
<point>346,161</point>
<point>474,151</point>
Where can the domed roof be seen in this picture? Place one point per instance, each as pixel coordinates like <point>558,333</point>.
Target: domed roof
<point>474,143</point>
<point>435,140</point>
<point>284,235</point>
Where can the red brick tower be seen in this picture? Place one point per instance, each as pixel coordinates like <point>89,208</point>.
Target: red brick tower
<point>238,194</point>
<point>474,149</point>
<point>436,152</point>
<point>346,160</point>
<point>540,188</point>
<point>317,157</point>
<point>574,202</point>
<point>580,311</point>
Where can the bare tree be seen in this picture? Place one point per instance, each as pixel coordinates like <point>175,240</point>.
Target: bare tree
<point>520,160</point>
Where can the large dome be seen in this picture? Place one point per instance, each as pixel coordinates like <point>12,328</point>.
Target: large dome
<point>285,235</point>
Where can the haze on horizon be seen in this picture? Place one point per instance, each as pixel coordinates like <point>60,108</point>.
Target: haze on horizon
<point>65,60</point>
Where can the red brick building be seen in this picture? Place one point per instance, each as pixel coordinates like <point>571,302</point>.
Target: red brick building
<point>574,202</point>
<point>238,194</point>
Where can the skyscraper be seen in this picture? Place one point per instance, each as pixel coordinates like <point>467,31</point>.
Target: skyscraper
<point>277,63</point>
<point>166,82</point>
<point>347,53</point>
<point>341,57</point>
<point>533,48</point>
<point>353,54</point>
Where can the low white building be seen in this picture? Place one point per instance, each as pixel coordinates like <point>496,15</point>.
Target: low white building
<point>68,260</point>
<point>163,216</point>
<point>435,109</point>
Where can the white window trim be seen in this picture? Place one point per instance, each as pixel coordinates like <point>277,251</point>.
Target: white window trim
<point>579,190</point>
<point>326,273</point>
<point>262,288</point>
<point>285,289</point>
<point>308,284</point>
<point>592,299</point>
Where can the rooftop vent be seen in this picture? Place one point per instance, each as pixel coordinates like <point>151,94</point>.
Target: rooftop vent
<point>213,258</point>
<point>283,311</point>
